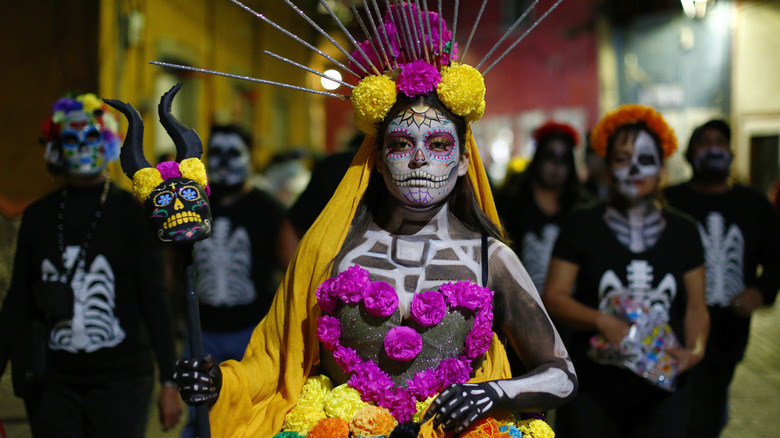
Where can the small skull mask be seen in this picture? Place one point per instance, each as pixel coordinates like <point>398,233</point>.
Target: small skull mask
<point>179,211</point>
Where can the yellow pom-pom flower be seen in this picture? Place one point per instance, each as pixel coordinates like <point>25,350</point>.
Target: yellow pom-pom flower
<point>194,169</point>
<point>535,428</point>
<point>462,91</point>
<point>314,391</point>
<point>90,102</point>
<point>371,99</point>
<point>301,419</point>
<point>144,181</point>
<point>372,421</point>
<point>343,402</point>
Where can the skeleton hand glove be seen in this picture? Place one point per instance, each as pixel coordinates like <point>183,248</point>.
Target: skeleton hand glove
<point>199,380</point>
<point>461,405</point>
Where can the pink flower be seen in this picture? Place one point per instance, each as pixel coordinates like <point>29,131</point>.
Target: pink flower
<point>478,341</point>
<point>418,77</point>
<point>452,291</point>
<point>370,380</point>
<point>424,384</point>
<point>328,331</point>
<point>351,284</point>
<point>346,358</point>
<point>380,299</point>
<point>390,45</point>
<point>402,344</point>
<point>169,169</point>
<point>399,403</point>
<point>454,370</point>
<point>428,308</point>
<point>326,296</point>
<point>467,295</point>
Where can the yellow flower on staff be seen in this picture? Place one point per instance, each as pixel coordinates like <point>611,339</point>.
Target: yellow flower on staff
<point>144,181</point>
<point>462,91</point>
<point>372,421</point>
<point>371,99</point>
<point>194,169</point>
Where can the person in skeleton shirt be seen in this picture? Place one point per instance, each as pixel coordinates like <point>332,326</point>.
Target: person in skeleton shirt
<point>628,249</point>
<point>240,266</point>
<point>86,267</point>
<point>739,231</point>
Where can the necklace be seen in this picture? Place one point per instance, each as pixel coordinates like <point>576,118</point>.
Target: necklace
<point>66,276</point>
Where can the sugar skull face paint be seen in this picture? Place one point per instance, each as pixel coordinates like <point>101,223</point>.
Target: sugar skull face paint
<point>636,165</point>
<point>228,159</point>
<point>421,157</point>
<point>82,145</point>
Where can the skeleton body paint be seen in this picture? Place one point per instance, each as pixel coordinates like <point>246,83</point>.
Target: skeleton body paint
<point>444,250</point>
<point>420,156</point>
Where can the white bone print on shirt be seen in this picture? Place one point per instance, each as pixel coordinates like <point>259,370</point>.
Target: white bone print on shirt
<point>639,287</point>
<point>94,324</point>
<point>724,254</point>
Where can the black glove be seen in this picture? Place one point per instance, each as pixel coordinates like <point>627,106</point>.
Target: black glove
<point>461,405</point>
<point>199,380</point>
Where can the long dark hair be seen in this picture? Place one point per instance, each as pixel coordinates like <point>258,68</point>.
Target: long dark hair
<point>462,202</point>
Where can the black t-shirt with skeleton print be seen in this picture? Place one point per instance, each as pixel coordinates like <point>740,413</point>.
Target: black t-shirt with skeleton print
<point>120,308</point>
<point>607,268</point>
<point>238,271</point>
<point>740,231</point>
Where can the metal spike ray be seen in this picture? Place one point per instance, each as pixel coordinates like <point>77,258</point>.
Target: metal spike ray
<point>247,78</point>
<point>303,67</point>
<point>473,29</point>
<point>422,30</point>
<point>384,31</point>
<point>511,29</point>
<point>377,37</point>
<point>325,34</point>
<point>454,30</point>
<point>398,37</point>
<point>409,13</point>
<point>349,35</point>
<point>441,35</point>
<point>406,30</point>
<point>298,39</point>
<point>428,24</point>
<point>522,37</point>
<point>370,40</point>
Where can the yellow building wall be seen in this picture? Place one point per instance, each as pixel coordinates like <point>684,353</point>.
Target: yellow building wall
<point>756,82</point>
<point>215,35</point>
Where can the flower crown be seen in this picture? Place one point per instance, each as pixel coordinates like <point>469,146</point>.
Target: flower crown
<point>428,67</point>
<point>629,114</point>
<point>92,105</point>
<point>552,128</point>
<point>409,50</point>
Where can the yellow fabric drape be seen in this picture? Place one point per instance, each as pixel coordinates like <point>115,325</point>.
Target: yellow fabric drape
<point>258,391</point>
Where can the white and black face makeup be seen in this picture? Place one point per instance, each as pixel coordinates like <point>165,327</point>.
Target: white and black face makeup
<point>553,164</point>
<point>421,159</point>
<point>82,145</point>
<point>636,166</point>
<point>228,159</point>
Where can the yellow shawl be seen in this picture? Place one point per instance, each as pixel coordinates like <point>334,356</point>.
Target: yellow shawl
<point>258,391</point>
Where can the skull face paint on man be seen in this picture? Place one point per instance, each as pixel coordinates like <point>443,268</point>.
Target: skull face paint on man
<point>636,165</point>
<point>228,159</point>
<point>82,145</point>
<point>421,157</point>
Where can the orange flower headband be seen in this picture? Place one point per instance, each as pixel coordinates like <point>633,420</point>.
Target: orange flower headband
<point>629,114</point>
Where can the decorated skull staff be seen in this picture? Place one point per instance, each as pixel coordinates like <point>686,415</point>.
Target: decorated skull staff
<point>175,194</point>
